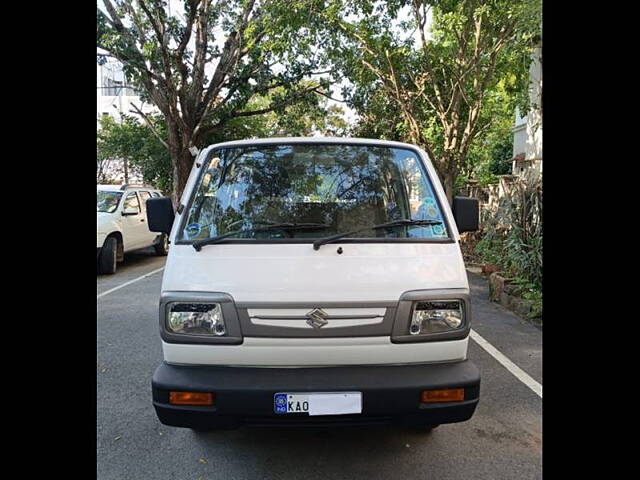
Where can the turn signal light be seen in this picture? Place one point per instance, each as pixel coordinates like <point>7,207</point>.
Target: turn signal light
<point>446,395</point>
<point>191,398</point>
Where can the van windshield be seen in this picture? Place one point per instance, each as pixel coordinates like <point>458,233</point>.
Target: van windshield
<point>329,188</point>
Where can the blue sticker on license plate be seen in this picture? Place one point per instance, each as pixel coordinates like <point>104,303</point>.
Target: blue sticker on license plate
<point>291,403</point>
<point>280,403</point>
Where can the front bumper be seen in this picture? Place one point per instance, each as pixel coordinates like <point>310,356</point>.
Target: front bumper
<point>244,395</point>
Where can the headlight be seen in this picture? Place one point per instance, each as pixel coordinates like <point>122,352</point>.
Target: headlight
<point>196,319</point>
<point>435,316</point>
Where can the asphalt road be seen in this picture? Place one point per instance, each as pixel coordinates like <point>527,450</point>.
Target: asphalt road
<point>503,439</point>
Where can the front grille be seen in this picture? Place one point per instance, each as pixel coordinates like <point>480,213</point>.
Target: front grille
<point>316,320</point>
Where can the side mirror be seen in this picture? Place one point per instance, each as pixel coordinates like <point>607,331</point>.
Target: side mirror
<point>466,212</point>
<point>160,214</point>
<point>130,211</point>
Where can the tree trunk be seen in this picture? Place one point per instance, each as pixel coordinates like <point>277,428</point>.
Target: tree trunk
<point>181,159</point>
<point>182,162</point>
<point>126,170</point>
<point>447,176</point>
<point>100,170</point>
<point>448,182</point>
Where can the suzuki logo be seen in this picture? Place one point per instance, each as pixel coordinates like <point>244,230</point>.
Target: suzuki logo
<point>317,318</point>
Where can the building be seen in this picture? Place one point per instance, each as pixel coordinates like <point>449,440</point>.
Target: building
<point>527,132</point>
<point>114,96</point>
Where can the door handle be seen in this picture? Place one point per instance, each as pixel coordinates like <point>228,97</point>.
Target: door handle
<point>142,219</point>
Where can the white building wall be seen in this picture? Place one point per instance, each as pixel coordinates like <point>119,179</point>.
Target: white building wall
<point>533,149</point>
<point>116,101</point>
<point>527,130</point>
<point>519,134</point>
<point>115,105</point>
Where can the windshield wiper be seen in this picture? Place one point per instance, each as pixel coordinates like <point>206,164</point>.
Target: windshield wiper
<point>396,223</point>
<point>275,226</point>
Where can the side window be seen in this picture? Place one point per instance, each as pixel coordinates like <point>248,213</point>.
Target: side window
<point>144,196</point>
<point>132,201</point>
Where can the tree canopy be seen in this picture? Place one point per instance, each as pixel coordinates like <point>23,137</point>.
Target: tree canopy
<point>201,66</point>
<point>434,83</point>
<point>136,143</point>
<point>442,74</point>
<point>142,146</point>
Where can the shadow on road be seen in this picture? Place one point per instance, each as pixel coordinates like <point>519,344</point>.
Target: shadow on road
<point>308,451</point>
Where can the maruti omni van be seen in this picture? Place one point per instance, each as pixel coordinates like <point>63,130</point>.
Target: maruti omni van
<point>314,281</point>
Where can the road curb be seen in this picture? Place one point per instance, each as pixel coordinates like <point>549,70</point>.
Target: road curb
<point>537,324</point>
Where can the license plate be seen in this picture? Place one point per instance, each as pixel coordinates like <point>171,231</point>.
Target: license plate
<point>330,403</point>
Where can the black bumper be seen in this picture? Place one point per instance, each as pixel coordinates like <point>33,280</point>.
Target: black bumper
<point>244,395</point>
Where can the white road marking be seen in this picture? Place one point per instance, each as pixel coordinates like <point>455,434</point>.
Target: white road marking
<point>130,282</point>
<point>508,364</point>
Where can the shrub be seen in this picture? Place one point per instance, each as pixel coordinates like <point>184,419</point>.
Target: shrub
<point>512,239</point>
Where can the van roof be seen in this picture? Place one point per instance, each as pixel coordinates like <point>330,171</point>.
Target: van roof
<point>120,188</point>
<point>317,140</point>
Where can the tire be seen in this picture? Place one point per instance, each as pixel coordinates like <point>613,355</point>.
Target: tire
<point>108,256</point>
<point>162,247</point>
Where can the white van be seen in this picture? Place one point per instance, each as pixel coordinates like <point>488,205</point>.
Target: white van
<point>314,281</point>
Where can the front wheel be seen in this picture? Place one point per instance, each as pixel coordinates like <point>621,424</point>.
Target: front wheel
<point>109,256</point>
<point>162,247</point>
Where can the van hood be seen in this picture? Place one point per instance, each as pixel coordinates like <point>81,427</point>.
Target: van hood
<point>298,273</point>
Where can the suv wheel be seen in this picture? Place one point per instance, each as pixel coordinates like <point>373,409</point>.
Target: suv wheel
<point>109,256</point>
<point>162,247</point>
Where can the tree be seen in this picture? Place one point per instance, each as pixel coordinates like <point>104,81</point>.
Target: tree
<point>136,143</point>
<point>141,145</point>
<point>491,153</point>
<point>438,85</point>
<point>166,56</point>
